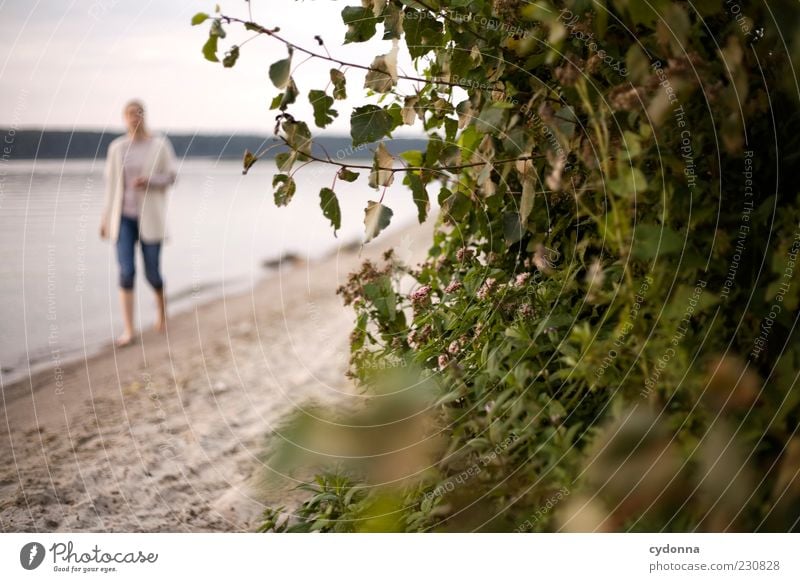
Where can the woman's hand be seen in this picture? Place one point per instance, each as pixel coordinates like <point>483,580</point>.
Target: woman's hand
<point>154,181</point>
<point>103,230</point>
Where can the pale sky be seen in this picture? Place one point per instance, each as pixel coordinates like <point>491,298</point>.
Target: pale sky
<point>72,64</point>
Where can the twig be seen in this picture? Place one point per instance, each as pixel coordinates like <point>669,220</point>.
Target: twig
<point>440,169</point>
<point>262,30</point>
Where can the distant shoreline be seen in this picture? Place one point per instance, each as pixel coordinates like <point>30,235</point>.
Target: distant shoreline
<point>32,143</point>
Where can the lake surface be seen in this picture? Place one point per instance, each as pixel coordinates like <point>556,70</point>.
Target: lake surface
<point>58,280</point>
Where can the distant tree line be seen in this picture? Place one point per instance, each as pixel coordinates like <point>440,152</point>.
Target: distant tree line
<point>49,144</point>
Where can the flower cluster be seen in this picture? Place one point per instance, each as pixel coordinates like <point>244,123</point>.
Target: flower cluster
<point>624,98</point>
<point>457,345</point>
<point>417,337</point>
<point>421,295</point>
<point>526,311</point>
<point>453,286</point>
<point>521,279</point>
<point>353,290</point>
<point>464,254</point>
<point>487,288</point>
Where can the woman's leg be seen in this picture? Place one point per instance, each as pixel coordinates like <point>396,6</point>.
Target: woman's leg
<point>152,268</point>
<point>126,243</point>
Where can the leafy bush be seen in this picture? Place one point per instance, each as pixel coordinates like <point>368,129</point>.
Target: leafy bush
<point>608,305</point>
<point>332,497</point>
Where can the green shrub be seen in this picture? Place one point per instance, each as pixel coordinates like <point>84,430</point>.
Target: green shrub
<point>608,306</point>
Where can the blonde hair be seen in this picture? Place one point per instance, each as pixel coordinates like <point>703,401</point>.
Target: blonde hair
<point>134,103</point>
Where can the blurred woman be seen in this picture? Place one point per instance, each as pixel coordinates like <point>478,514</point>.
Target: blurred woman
<point>140,168</point>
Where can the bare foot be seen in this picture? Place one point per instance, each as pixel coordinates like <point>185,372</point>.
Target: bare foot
<point>160,325</point>
<point>124,340</point>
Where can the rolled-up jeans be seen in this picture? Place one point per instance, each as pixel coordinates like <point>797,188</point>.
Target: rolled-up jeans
<point>126,247</point>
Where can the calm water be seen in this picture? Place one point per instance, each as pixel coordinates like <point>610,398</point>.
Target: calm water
<point>58,280</point>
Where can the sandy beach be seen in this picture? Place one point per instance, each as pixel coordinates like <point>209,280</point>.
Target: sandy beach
<point>167,434</point>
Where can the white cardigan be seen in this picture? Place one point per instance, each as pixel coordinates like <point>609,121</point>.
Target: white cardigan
<point>160,159</point>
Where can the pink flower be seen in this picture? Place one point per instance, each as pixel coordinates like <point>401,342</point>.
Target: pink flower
<point>487,288</point>
<point>421,294</point>
<point>453,287</point>
<point>526,310</point>
<point>417,337</point>
<point>412,339</point>
<point>521,279</point>
<point>443,361</point>
<point>425,332</point>
<point>463,254</point>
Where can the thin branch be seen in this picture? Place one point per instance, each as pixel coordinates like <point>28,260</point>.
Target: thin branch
<point>262,30</point>
<point>439,169</point>
<point>263,152</point>
<point>295,170</point>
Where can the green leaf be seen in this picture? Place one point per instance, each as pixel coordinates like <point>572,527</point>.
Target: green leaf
<point>646,13</point>
<point>285,161</point>
<point>369,123</point>
<point>383,297</point>
<point>360,23</point>
<point>248,161</point>
<point>279,72</point>
<point>631,146</point>
<point>216,29</point>
<point>652,240</point>
<point>323,113</point>
<point>285,188</point>
<point>289,96</point>
<point>450,129</point>
<point>330,208</point>
<point>339,80</point>
<point>455,205</point>
<point>629,182</point>
<point>450,155</point>
<point>376,218</point>
<point>210,49</point>
<point>392,21</point>
<point>512,228</point>
<point>420,195</point>
<point>637,64</point>
<point>469,141</point>
<point>490,119</point>
<point>413,157</point>
<point>231,57</point>
<point>422,33</point>
<point>557,320</point>
<point>298,137</point>
<point>199,18</point>
<point>396,114</point>
<point>433,150</point>
<point>347,175</point>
